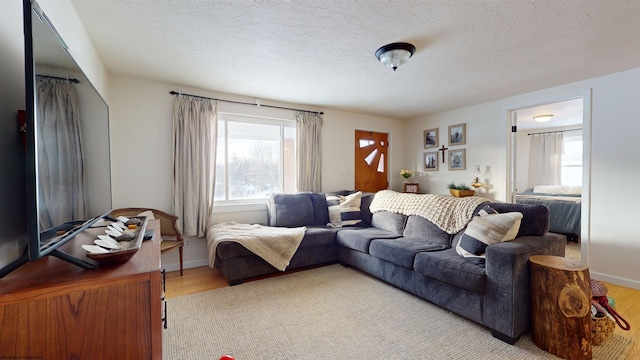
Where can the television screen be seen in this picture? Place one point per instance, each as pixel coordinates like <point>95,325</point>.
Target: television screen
<point>67,142</point>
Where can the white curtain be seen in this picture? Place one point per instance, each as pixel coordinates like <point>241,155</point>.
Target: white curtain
<point>545,159</point>
<point>194,146</point>
<point>60,157</point>
<point>308,151</point>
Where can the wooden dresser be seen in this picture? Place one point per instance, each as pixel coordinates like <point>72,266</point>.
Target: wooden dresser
<point>51,309</point>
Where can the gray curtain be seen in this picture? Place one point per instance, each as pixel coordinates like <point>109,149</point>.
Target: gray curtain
<point>545,159</point>
<point>308,151</point>
<point>194,146</point>
<point>60,157</point>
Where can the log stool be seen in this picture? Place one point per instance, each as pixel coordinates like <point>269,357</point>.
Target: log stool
<point>561,306</point>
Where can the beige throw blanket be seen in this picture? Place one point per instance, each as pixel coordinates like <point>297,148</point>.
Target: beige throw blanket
<point>449,213</point>
<point>276,245</point>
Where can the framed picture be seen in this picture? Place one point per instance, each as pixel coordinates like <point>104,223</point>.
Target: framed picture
<point>457,159</point>
<point>431,138</point>
<point>431,161</point>
<point>457,134</point>
<point>411,187</point>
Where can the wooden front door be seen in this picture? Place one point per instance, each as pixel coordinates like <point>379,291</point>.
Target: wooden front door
<point>371,161</point>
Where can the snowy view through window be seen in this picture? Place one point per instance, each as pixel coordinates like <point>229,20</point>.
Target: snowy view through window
<point>255,158</point>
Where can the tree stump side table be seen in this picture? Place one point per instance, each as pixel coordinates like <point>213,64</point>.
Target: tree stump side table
<point>561,306</point>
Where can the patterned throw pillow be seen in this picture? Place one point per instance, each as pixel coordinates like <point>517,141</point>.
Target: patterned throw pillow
<point>344,210</point>
<point>485,230</point>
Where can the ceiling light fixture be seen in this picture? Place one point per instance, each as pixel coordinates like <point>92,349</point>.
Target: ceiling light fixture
<point>543,118</point>
<point>395,54</point>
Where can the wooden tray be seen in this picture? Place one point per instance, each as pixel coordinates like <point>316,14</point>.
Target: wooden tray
<point>120,256</point>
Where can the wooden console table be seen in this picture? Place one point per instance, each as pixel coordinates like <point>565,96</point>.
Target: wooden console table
<point>51,309</point>
<point>560,306</point>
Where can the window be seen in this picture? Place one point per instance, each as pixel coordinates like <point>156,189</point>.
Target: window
<point>255,157</point>
<point>571,172</point>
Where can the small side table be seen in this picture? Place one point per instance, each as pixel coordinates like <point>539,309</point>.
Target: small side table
<point>561,306</point>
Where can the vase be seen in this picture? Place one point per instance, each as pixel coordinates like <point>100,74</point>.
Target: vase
<point>406,180</point>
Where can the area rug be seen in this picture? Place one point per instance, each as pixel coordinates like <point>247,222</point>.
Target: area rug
<point>334,312</point>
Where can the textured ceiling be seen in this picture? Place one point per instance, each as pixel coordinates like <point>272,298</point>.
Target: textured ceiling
<point>320,53</point>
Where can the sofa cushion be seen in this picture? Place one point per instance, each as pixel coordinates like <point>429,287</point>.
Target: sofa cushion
<point>318,236</point>
<point>449,267</point>
<point>313,236</point>
<point>535,218</point>
<point>360,238</point>
<point>402,251</point>
<point>290,210</point>
<point>389,221</point>
<point>365,212</point>
<point>320,209</point>
<point>420,227</point>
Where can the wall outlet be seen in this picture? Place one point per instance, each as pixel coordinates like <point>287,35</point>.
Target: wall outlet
<point>187,242</point>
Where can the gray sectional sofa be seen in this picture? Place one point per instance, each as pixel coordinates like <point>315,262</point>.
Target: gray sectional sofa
<point>415,255</point>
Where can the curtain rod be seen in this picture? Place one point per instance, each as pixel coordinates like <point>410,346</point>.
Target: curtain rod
<point>551,132</point>
<point>58,78</point>
<point>246,103</point>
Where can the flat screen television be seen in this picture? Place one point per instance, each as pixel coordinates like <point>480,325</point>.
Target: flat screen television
<point>67,145</point>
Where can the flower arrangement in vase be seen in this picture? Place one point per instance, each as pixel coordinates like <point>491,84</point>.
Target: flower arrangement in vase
<point>406,174</point>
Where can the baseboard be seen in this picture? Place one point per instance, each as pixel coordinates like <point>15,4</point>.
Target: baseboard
<point>187,264</point>
<point>634,284</point>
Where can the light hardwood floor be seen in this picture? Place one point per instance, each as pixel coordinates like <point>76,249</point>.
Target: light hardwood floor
<point>204,278</point>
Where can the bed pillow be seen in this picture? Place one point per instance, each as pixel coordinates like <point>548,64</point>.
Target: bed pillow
<point>485,230</point>
<point>575,190</point>
<point>551,189</point>
<point>344,210</point>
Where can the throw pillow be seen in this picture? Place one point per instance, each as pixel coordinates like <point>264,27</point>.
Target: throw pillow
<point>350,209</point>
<point>486,210</point>
<point>333,204</point>
<point>485,230</point>
<point>344,210</point>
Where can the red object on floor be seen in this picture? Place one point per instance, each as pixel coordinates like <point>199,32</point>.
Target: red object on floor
<point>227,357</point>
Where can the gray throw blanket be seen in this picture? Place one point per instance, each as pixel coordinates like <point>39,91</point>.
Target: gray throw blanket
<point>276,245</point>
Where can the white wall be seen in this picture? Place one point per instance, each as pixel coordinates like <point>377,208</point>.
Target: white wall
<point>141,126</point>
<point>484,147</point>
<point>64,18</point>
<point>613,246</point>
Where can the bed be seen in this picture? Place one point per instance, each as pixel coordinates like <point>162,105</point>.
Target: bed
<point>564,203</point>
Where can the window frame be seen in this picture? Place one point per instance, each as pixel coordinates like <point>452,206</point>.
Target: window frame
<point>565,140</point>
<point>226,117</point>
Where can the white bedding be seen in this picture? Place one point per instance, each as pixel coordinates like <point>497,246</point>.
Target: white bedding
<point>575,199</point>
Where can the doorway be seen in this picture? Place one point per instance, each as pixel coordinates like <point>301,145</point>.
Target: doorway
<point>371,170</point>
<point>567,197</point>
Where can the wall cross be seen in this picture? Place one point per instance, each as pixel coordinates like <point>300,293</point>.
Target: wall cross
<point>443,149</point>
